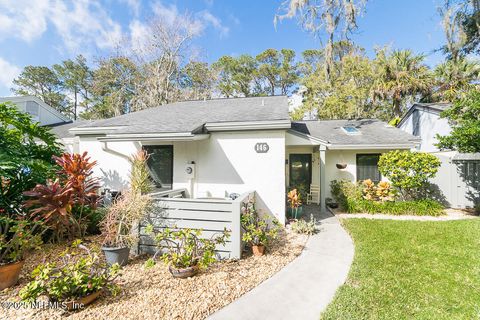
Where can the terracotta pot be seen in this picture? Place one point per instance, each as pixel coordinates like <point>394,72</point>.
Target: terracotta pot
<point>82,302</point>
<point>183,273</point>
<point>9,274</point>
<point>258,250</point>
<point>341,166</point>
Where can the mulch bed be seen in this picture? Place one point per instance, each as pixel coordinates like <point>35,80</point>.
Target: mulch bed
<point>152,293</point>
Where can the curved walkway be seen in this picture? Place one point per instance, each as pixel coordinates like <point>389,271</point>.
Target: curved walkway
<point>304,288</point>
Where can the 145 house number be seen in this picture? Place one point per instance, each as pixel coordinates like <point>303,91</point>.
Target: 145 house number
<point>262,147</point>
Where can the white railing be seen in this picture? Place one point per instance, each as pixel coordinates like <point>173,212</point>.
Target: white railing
<point>213,216</point>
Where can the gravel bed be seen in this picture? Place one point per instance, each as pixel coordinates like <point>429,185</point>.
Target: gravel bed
<point>152,293</point>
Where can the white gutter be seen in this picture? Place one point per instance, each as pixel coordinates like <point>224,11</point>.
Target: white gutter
<point>247,125</point>
<point>107,149</point>
<point>173,136</point>
<point>370,146</point>
<point>92,130</point>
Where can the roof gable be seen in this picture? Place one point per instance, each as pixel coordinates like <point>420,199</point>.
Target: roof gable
<point>432,107</point>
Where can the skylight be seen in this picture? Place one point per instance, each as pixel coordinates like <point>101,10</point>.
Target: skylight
<point>350,130</point>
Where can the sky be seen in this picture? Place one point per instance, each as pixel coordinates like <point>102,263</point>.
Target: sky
<point>45,32</point>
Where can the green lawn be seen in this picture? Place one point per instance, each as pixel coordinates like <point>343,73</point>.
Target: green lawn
<point>411,270</point>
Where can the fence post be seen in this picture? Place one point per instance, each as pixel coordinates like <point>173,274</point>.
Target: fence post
<point>236,230</point>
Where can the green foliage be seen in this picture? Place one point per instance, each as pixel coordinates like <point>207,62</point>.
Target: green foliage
<point>351,199</point>
<point>344,190</point>
<point>303,227</point>
<point>464,117</point>
<point>257,230</point>
<point>26,151</point>
<point>400,74</point>
<point>409,171</point>
<point>16,238</point>
<point>185,247</point>
<point>75,276</point>
<point>43,83</point>
<point>424,207</point>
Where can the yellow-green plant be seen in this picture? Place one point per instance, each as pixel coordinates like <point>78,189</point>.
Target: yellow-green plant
<point>139,175</point>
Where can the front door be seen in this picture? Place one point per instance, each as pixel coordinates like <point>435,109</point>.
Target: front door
<point>300,167</point>
<point>160,165</point>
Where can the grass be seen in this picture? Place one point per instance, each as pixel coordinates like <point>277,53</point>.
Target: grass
<point>411,270</point>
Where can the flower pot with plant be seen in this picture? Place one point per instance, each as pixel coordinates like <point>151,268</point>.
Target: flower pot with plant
<point>16,238</point>
<point>294,204</point>
<point>78,279</point>
<point>118,224</point>
<point>184,250</point>
<point>257,231</point>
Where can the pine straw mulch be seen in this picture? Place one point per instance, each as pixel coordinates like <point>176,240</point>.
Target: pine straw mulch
<point>152,293</point>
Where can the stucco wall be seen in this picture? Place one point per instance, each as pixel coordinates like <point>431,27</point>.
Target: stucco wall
<point>225,163</point>
<point>430,124</point>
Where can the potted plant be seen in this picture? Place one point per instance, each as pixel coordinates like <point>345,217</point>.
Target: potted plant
<point>118,224</point>
<point>184,251</point>
<point>76,281</point>
<point>257,231</point>
<point>295,208</point>
<point>16,238</point>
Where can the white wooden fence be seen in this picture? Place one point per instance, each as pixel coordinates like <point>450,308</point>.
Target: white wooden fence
<point>211,215</point>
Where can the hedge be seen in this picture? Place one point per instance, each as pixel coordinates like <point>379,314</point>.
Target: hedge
<point>425,207</point>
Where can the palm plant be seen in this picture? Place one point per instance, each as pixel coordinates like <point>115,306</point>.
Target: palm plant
<point>454,77</point>
<point>400,75</point>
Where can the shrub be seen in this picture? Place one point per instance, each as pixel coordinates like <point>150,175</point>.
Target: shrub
<point>16,238</point>
<point>139,175</point>
<point>351,200</point>
<point>183,248</point>
<point>76,276</point>
<point>257,230</point>
<point>121,217</point>
<point>303,227</point>
<point>409,171</point>
<point>52,205</point>
<point>343,190</point>
<point>64,205</point>
<point>25,158</point>
<point>380,192</point>
<point>425,207</point>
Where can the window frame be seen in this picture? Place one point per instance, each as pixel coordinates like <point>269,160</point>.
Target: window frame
<point>162,146</point>
<point>358,155</point>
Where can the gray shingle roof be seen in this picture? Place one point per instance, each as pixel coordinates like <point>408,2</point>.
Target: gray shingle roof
<point>61,130</point>
<point>372,132</point>
<point>189,116</point>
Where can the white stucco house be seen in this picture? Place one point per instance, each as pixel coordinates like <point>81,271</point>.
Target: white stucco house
<point>237,145</point>
<point>458,178</point>
<point>41,112</point>
<point>38,110</point>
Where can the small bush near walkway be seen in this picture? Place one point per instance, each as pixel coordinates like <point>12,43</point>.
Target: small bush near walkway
<point>426,207</point>
<point>350,196</point>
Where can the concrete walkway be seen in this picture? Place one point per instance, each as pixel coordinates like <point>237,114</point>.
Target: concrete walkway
<point>304,288</point>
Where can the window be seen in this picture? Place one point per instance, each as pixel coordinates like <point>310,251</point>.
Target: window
<point>367,167</point>
<point>160,165</point>
<point>416,123</point>
<point>350,130</point>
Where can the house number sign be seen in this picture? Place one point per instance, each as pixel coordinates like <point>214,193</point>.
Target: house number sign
<point>262,147</point>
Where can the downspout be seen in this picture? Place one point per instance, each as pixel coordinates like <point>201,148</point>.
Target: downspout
<point>107,149</point>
